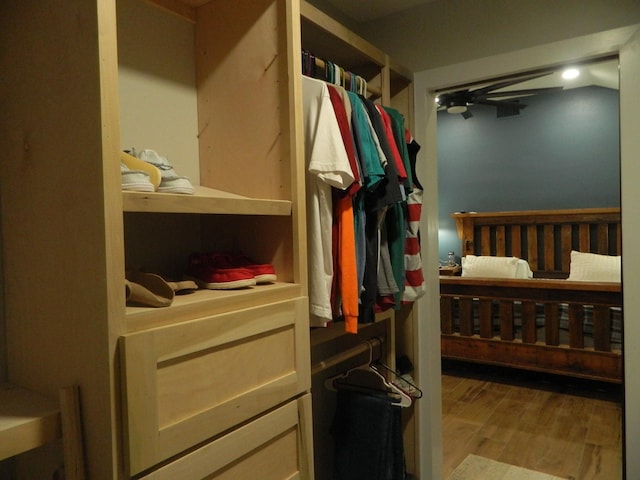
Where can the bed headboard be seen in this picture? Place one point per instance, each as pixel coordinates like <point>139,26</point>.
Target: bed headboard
<point>544,238</point>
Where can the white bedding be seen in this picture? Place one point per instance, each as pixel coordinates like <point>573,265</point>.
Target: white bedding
<point>495,267</point>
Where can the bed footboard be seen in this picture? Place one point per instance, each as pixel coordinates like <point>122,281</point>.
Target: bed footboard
<point>536,324</point>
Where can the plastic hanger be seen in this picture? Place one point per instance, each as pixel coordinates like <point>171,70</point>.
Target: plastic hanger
<point>413,390</point>
<point>367,378</point>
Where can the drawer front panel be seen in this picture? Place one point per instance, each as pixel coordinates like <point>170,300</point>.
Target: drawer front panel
<point>275,445</point>
<point>188,382</point>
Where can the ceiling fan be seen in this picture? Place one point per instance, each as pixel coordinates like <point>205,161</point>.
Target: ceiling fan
<point>505,102</point>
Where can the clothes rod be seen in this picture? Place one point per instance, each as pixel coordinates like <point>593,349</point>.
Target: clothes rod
<point>366,346</point>
<point>371,89</point>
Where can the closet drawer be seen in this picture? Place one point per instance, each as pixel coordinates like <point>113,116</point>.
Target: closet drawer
<point>276,446</point>
<point>186,383</point>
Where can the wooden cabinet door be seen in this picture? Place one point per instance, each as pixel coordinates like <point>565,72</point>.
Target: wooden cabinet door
<point>272,447</point>
<point>186,383</point>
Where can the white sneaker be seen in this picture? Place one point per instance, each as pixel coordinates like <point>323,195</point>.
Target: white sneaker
<point>135,180</point>
<point>134,163</point>
<point>171,182</point>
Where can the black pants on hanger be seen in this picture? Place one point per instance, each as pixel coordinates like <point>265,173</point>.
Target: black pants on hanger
<point>367,430</point>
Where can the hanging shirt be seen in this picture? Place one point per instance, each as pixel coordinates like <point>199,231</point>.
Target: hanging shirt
<point>327,166</point>
<point>397,126</point>
<point>371,160</point>
<point>415,286</point>
<point>345,296</point>
<point>393,146</point>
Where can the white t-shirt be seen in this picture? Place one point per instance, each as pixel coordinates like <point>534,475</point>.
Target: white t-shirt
<point>327,166</point>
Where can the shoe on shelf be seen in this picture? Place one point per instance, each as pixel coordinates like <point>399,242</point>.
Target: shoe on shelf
<point>171,182</point>
<point>135,180</point>
<point>262,272</point>
<point>147,289</point>
<point>159,282</point>
<point>183,287</point>
<point>134,163</point>
<point>213,271</point>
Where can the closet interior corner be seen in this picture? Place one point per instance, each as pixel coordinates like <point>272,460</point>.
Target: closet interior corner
<point>325,42</point>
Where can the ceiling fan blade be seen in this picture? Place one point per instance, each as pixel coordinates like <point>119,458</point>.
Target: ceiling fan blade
<point>507,83</point>
<point>518,93</point>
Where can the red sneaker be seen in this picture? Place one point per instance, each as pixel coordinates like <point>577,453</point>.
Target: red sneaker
<point>215,273</point>
<point>263,272</point>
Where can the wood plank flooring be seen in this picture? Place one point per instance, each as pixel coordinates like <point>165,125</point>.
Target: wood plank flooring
<point>556,425</point>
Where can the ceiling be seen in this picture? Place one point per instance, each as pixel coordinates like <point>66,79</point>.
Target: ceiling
<point>602,73</point>
<point>366,10</point>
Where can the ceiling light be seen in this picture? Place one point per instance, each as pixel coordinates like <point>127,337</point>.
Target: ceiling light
<point>457,109</point>
<point>456,105</point>
<point>570,73</point>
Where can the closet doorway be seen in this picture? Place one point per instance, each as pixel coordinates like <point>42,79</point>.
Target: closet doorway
<point>622,42</point>
<point>555,147</point>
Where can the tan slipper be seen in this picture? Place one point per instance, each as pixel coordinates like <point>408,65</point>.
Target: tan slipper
<point>138,295</point>
<point>182,287</point>
<point>148,289</point>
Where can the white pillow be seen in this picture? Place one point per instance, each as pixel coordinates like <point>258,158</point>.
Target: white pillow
<point>495,267</point>
<point>592,267</point>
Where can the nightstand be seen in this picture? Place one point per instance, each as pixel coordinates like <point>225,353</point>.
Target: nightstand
<point>451,270</point>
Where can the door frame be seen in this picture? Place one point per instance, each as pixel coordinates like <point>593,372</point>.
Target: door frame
<point>624,42</point>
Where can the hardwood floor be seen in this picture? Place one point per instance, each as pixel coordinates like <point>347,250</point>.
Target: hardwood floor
<point>561,426</point>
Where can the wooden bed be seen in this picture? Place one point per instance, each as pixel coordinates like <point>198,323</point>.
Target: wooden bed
<point>539,323</point>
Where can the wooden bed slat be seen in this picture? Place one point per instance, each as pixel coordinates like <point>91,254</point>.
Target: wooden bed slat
<point>506,320</point>
<point>532,247</point>
<point>446,314</point>
<point>565,247</point>
<point>584,242</point>
<point>466,316</point>
<point>529,322</point>
<point>501,249</point>
<point>516,241</point>
<point>601,329</point>
<point>549,248</point>
<point>486,240</point>
<point>486,318</point>
<point>551,324</point>
<point>576,325</point>
<point>603,239</point>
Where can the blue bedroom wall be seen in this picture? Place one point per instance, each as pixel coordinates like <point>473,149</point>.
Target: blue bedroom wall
<point>562,151</point>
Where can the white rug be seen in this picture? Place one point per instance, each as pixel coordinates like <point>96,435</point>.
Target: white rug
<point>479,468</point>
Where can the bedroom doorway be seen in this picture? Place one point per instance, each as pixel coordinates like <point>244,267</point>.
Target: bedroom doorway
<point>556,148</point>
<point>623,41</point>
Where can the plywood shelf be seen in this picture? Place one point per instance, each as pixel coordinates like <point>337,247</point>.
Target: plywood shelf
<point>205,200</point>
<point>27,420</point>
<point>209,302</point>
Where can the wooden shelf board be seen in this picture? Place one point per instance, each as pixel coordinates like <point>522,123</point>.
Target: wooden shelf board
<point>209,302</point>
<point>27,420</point>
<point>204,200</point>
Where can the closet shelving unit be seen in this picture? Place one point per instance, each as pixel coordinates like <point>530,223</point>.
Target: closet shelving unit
<point>217,384</point>
<point>388,84</point>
